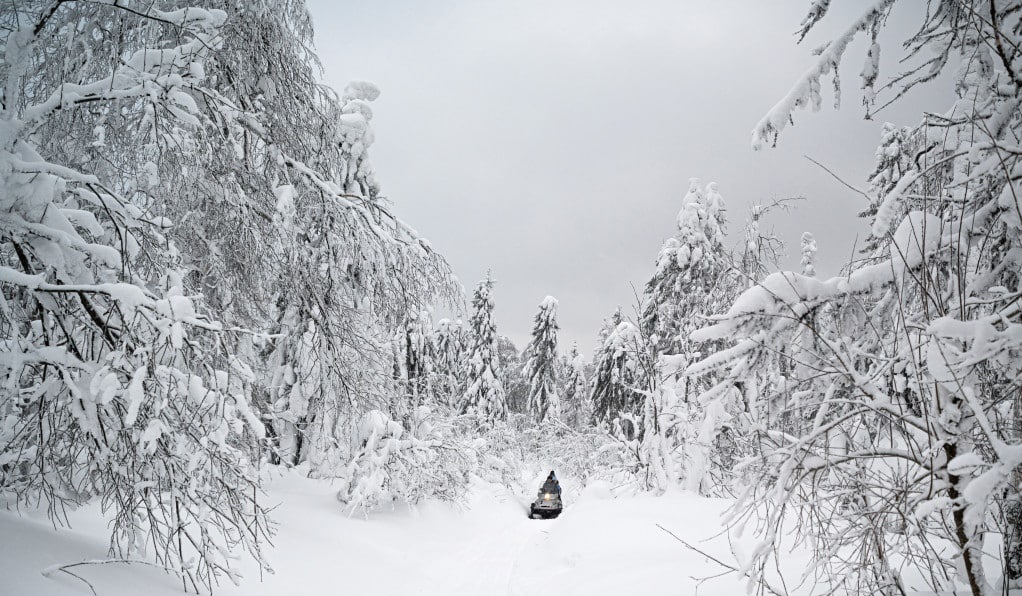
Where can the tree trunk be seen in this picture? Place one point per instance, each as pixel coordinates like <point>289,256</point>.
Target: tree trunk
<point>965,537</point>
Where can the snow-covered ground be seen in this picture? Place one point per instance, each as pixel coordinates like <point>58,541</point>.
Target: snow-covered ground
<point>600,545</point>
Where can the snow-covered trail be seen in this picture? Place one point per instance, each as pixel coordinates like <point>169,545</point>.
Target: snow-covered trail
<point>487,562</point>
<point>489,547</point>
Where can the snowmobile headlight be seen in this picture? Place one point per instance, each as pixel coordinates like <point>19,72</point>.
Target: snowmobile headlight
<point>547,497</point>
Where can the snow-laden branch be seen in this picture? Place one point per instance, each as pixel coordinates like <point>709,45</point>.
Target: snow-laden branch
<point>806,90</point>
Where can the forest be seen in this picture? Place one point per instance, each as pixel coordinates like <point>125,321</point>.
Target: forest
<point>201,283</point>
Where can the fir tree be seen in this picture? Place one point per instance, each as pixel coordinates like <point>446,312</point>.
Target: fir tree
<point>894,158</point>
<point>689,268</point>
<point>484,396</point>
<point>617,372</point>
<point>541,363</point>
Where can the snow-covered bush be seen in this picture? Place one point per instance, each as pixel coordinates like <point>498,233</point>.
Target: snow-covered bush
<point>404,463</point>
<point>579,454</point>
<point>497,449</point>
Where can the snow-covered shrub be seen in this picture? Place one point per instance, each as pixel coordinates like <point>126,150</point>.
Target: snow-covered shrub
<point>497,449</point>
<point>405,463</point>
<point>574,453</point>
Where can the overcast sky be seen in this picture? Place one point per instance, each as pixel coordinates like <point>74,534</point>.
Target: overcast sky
<point>552,141</point>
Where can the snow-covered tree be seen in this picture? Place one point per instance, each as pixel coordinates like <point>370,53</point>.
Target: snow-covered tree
<point>115,381</point>
<point>911,451</point>
<point>808,261</point>
<point>450,353</point>
<point>541,364</point>
<point>894,158</point>
<point>648,427</point>
<point>419,356</point>
<point>616,371</point>
<point>761,249</point>
<point>695,275</point>
<point>347,285</point>
<point>512,378</point>
<point>576,405</point>
<point>689,269</point>
<point>663,422</point>
<point>155,155</point>
<point>484,396</point>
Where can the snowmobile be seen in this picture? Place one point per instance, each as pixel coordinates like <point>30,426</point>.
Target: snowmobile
<point>546,505</point>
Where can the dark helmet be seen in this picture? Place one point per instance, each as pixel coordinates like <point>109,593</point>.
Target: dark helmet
<point>551,476</point>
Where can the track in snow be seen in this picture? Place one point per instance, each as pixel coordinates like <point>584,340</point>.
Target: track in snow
<point>598,546</point>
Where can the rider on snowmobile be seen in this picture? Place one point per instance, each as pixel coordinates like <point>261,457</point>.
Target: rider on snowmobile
<point>551,485</point>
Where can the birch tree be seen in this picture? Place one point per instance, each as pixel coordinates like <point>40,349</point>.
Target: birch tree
<point>190,220</point>
<point>911,457</point>
<point>115,381</point>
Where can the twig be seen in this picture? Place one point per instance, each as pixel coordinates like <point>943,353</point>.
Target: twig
<point>730,568</point>
<point>838,178</point>
<point>49,571</point>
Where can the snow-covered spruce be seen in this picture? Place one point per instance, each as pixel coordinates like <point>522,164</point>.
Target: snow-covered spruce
<point>541,362</point>
<point>513,376</point>
<point>689,269</point>
<point>419,355</point>
<point>695,275</point>
<point>616,373</point>
<point>808,261</point>
<point>484,396</point>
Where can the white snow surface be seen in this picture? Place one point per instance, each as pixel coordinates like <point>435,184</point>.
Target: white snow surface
<point>599,545</point>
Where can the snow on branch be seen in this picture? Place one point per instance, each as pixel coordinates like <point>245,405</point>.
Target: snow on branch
<point>806,90</point>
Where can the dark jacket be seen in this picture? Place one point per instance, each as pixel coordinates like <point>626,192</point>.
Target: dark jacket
<point>552,486</point>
